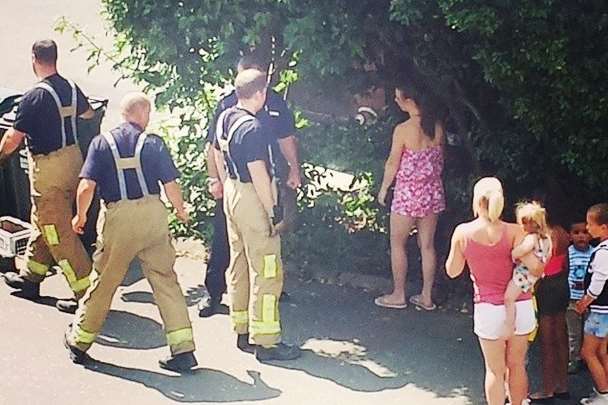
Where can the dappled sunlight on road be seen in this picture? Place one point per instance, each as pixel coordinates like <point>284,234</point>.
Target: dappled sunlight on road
<point>348,352</point>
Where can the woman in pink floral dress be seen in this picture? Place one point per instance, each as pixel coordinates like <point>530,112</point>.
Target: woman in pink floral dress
<point>415,164</point>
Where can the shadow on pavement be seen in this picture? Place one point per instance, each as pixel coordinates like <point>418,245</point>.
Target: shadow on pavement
<point>348,340</point>
<point>134,274</point>
<point>202,385</point>
<point>42,300</point>
<point>127,330</point>
<point>142,297</point>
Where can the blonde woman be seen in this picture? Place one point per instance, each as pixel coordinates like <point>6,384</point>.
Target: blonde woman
<point>485,244</point>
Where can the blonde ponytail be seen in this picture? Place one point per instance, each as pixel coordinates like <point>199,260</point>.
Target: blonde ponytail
<point>488,199</point>
<point>496,203</point>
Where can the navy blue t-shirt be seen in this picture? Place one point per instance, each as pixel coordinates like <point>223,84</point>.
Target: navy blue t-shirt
<point>37,115</point>
<point>248,143</point>
<point>276,120</point>
<point>100,167</point>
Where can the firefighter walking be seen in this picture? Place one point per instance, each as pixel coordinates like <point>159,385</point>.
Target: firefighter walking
<point>255,273</point>
<point>46,119</point>
<point>127,167</point>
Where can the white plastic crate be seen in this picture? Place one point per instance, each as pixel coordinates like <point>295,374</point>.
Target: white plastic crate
<point>14,234</point>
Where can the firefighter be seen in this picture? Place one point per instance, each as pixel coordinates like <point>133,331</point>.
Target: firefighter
<point>254,220</point>
<point>46,119</point>
<point>128,166</point>
<point>279,127</point>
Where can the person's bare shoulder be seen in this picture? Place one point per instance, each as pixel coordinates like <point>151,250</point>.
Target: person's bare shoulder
<point>464,229</point>
<point>406,130</point>
<point>516,234</point>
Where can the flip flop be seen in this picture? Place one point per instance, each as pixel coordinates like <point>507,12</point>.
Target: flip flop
<point>416,300</point>
<point>540,398</point>
<point>381,302</point>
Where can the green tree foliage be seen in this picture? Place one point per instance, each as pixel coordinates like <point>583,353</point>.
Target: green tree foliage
<point>524,81</point>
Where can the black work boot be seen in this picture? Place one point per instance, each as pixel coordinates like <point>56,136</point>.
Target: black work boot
<point>76,355</point>
<point>242,342</point>
<point>211,307</point>
<point>28,289</point>
<point>279,352</point>
<point>180,363</point>
<point>67,306</point>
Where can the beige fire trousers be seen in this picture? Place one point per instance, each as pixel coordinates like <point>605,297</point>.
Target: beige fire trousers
<point>128,229</point>
<point>255,274</point>
<point>53,183</point>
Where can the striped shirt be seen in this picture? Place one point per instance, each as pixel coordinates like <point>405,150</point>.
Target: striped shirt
<point>577,264</point>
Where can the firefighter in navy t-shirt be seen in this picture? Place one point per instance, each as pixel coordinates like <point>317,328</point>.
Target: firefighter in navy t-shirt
<point>46,119</point>
<point>278,126</point>
<point>128,167</point>
<point>253,219</point>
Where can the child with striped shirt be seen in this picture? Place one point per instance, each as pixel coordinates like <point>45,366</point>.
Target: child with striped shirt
<point>579,253</point>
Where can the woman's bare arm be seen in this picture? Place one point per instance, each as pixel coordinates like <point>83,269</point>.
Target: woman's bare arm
<point>392,162</point>
<point>455,262</point>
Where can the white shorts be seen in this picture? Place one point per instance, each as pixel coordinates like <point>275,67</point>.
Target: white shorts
<point>489,319</point>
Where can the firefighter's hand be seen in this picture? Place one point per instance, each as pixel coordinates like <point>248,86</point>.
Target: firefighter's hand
<point>277,229</point>
<point>182,215</point>
<point>293,179</point>
<point>215,188</point>
<point>78,223</point>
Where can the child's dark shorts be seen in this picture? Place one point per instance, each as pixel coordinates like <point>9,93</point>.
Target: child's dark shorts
<point>553,294</point>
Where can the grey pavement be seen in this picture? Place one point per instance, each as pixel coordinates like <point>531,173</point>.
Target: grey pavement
<point>354,352</point>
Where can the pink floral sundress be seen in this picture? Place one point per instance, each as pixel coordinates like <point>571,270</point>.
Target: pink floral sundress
<point>418,186</point>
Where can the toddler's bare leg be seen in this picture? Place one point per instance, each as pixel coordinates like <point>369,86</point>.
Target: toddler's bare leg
<point>511,295</point>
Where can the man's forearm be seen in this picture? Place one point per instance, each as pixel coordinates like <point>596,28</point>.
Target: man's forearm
<point>261,182</point>
<point>219,164</point>
<point>174,194</point>
<point>289,149</point>
<point>9,143</point>
<point>84,196</point>
<point>211,163</point>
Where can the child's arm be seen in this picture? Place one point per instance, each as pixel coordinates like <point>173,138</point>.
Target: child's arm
<point>526,246</point>
<point>598,281</point>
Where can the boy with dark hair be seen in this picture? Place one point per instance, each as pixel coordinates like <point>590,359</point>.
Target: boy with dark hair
<point>579,254</point>
<point>596,298</point>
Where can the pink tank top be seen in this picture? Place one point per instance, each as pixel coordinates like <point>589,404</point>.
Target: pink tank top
<point>491,269</point>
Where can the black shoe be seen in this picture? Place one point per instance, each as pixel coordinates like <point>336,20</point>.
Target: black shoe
<point>67,306</point>
<point>284,297</point>
<point>179,363</point>
<point>76,355</point>
<point>279,352</point>
<point>210,308</point>
<point>242,342</point>
<point>28,289</point>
